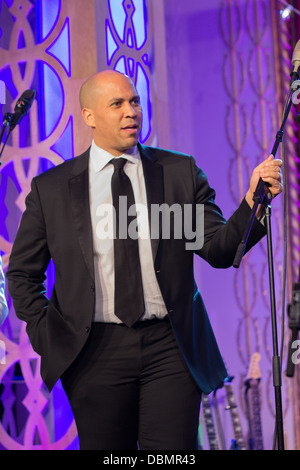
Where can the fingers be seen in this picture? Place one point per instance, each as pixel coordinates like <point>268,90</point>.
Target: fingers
<point>270,172</point>
<point>266,162</point>
<point>270,162</point>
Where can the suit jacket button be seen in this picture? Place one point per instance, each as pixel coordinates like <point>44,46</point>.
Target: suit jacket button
<point>87,329</point>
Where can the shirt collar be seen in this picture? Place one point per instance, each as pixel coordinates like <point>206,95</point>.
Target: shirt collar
<point>100,158</point>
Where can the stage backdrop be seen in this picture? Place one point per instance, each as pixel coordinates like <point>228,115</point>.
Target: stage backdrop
<point>213,76</point>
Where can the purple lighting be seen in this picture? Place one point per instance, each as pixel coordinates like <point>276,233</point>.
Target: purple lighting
<point>126,37</point>
<point>31,418</point>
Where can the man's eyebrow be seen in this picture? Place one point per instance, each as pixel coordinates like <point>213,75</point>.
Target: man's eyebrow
<point>115,99</point>
<point>134,97</point>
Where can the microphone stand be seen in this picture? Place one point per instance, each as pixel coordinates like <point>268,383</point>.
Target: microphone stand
<point>262,196</point>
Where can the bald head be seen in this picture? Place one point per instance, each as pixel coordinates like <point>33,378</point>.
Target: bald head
<point>97,84</point>
<point>111,107</point>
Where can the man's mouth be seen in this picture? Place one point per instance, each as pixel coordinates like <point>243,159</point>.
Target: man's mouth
<point>131,128</point>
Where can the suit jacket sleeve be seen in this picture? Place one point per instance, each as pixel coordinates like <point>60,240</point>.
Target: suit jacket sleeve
<point>26,272</point>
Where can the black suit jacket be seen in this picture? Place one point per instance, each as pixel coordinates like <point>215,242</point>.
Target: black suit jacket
<point>56,224</point>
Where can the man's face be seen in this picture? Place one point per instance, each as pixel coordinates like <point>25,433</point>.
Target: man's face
<point>115,115</point>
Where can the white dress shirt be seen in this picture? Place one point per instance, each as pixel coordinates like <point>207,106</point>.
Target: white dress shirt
<point>100,173</point>
<point>3,304</point>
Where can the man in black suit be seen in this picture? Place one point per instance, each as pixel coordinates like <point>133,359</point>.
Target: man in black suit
<point>134,348</point>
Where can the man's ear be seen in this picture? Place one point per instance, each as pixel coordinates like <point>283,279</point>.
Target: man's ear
<point>88,116</point>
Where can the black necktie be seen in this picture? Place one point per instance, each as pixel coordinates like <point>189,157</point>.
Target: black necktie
<point>129,297</point>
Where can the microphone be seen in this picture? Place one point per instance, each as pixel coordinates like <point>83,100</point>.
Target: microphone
<point>22,106</point>
<point>12,119</point>
<point>296,62</point>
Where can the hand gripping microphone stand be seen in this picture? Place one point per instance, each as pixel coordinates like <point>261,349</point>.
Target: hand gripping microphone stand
<point>263,196</point>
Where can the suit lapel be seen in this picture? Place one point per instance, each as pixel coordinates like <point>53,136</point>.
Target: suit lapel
<point>153,174</point>
<point>80,205</point>
<point>80,201</point>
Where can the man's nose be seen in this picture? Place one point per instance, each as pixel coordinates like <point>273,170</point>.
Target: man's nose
<point>130,110</point>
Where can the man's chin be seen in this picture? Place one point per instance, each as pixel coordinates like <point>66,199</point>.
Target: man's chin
<point>130,144</point>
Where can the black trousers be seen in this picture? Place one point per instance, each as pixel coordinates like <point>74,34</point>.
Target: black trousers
<point>130,388</point>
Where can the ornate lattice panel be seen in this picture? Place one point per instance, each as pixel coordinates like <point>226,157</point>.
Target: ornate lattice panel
<point>286,34</point>
<point>34,54</point>
<point>252,122</point>
<point>128,38</point>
